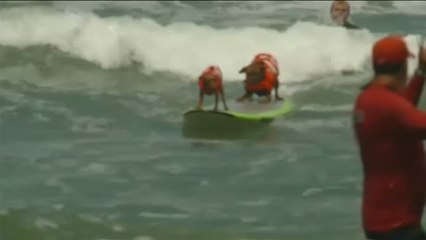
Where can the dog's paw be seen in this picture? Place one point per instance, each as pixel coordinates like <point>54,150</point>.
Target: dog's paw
<point>265,100</point>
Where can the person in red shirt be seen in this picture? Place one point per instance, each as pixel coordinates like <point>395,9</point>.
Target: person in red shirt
<point>390,131</point>
<point>210,82</point>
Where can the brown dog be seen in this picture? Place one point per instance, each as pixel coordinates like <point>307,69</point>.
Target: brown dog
<point>210,82</point>
<point>261,78</point>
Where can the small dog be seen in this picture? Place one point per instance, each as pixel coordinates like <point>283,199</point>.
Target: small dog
<point>261,77</point>
<point>210,82</point>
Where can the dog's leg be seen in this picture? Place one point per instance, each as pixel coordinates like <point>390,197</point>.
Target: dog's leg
<point>266,99</point>
<point>216,100</point>
<point>277,97</point>
<point>222,94</point>
<point>247,95</point>
<point>200,100</point>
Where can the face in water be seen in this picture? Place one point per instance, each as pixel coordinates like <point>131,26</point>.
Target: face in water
<point>340,12</point>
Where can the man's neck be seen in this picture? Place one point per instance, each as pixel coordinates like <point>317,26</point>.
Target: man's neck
<point>390,81</point>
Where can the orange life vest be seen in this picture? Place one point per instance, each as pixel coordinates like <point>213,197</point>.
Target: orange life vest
<point>271,73</point>
<point>212,71</point>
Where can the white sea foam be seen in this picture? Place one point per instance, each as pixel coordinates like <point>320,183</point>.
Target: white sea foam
<point>304,50</point>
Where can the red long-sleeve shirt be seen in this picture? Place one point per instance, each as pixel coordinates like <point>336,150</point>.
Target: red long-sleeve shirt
<point>390,131</point>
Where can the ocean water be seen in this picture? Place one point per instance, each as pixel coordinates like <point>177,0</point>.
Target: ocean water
<point>91,102</point>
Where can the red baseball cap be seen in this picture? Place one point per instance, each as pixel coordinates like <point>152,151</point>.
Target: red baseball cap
<point>390,50</point>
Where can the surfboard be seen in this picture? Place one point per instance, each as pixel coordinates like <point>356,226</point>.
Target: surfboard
<point>242,117</point>
<point>247,111</point>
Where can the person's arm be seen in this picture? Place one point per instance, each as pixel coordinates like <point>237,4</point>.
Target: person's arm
<point>414,89</point>
<point>412,121</point>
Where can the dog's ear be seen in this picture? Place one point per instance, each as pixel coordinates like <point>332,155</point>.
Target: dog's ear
<point>243,70</point>
<point>260,67</point>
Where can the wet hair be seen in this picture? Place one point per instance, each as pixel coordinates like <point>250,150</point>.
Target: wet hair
<point>388,69</point>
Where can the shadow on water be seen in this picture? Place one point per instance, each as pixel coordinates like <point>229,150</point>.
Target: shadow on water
<point>216,126</point>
